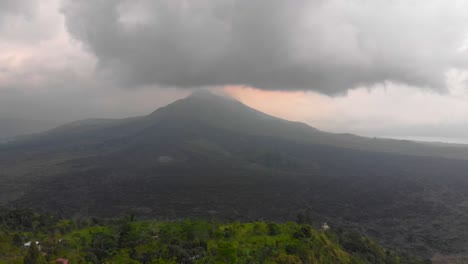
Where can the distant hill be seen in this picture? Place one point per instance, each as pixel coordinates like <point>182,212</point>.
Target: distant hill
<point>210,156</point>
<point>12,127</point>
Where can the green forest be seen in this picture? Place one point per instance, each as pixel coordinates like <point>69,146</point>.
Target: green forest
<point>127,240</point>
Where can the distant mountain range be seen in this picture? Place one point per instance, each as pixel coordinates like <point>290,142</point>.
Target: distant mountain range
<point>210,156</point>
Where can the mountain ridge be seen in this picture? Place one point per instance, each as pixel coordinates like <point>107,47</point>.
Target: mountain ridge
<point>228,113</point>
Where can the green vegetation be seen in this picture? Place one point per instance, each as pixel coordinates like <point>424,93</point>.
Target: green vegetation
<point>128,241</point>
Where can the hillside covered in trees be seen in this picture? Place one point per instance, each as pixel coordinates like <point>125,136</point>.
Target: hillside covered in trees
<point>128,241</point>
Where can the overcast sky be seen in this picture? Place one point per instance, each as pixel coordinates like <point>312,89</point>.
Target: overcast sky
<point>377,68</point>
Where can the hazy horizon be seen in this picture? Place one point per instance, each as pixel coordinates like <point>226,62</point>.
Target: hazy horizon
<point>24,126</point>
<point>339,66</point>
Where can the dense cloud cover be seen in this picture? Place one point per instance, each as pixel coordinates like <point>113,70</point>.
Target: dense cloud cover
<point>17,7</point>
<point>327,46</point>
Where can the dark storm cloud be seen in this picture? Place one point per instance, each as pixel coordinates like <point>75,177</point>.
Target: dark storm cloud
<point>327,46</point>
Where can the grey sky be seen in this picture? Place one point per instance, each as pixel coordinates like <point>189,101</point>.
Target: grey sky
<point>17,7</point>
<point>370,67</point>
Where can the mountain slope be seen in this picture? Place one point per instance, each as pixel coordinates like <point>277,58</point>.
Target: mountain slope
<point>228,114</point>
<point>207,156</point>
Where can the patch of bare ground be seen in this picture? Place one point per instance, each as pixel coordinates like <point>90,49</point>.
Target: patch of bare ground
<point>452,259</point>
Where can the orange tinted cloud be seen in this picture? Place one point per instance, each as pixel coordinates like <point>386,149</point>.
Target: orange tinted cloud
<point>292,105</point>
